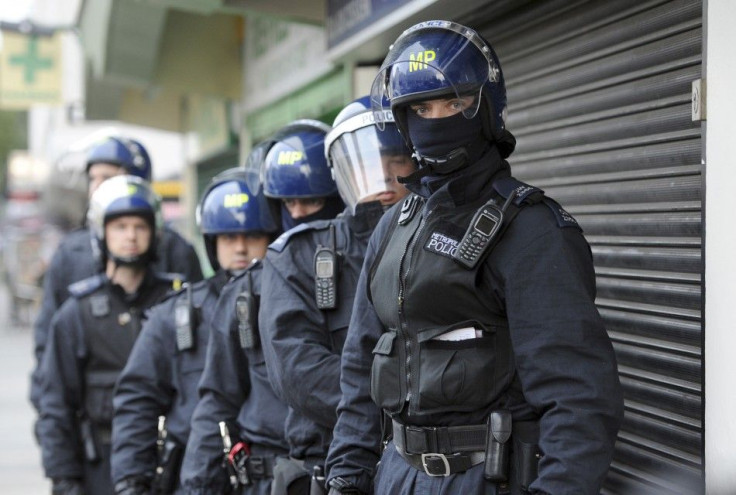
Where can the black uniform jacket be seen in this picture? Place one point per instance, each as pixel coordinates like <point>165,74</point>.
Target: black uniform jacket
<point>540,277</point>
<point>73,261</point>
<point>161,380</point>
<point>302,343</point>
<point>234,388</point>
<point>81,364</point>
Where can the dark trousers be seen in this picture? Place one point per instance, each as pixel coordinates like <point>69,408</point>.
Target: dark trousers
<point>97,477</point>
<point>396,477</point>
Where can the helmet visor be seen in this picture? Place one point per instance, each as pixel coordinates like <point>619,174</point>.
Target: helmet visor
<point>254,163</point>
<point>434,60</point>
<point>366,163</point>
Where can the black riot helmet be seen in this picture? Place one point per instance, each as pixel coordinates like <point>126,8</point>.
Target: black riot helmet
<point>443,59</point>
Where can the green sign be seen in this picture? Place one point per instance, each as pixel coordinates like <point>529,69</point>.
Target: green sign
<point>30,70</point>
<point>31,60</point>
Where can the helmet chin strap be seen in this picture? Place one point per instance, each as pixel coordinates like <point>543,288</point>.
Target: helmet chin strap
<point>428,165</point>
<point>131,261</point>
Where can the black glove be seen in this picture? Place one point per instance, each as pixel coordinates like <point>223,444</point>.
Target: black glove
<point>133,486</point>
<point>341,486</point>
<point>67,486</point>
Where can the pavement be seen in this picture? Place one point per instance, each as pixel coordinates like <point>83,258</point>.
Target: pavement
<point>20,458</point>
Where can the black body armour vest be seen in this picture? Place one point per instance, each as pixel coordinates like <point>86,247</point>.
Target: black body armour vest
<point>447,346</point>
<point>111,325</point>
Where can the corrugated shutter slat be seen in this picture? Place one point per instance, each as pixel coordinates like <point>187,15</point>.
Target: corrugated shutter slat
<point>599,101</point>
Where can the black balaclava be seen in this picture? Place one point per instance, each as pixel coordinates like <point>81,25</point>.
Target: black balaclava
<point>436,138</point>
<point>468,182</point>
<point>333,207</point>
<point>444,145</point>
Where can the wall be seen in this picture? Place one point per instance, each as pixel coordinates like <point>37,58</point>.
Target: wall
<point>720,247</point>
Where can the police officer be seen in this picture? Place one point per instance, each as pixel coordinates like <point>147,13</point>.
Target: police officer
<point>74,259</point>
<point>308,283</point>
<point>294,174</point>
<point>161,377</point>
<point>92,335</point>
<point>238,423</point>
<point>235,389</point>
<point>489,357</point>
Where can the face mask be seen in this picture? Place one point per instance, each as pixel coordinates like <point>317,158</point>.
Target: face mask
<point>436,138</point>
<point>333,206</point>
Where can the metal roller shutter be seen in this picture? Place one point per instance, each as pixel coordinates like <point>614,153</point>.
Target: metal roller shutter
<point>599,100</point>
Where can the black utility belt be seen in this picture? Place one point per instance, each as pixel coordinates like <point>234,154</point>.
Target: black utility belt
<point>436,464</point>
<point>441,450</point>
<point>260,467</point>
<point>446,450</point>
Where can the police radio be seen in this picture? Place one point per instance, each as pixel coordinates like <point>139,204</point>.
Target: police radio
<point>325,274</point>
<point>246,311</point>
<point>185,321</point>
<point>484,226</point>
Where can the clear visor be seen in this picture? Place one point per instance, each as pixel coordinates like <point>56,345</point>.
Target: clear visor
<point>451,62</point>
<point>254,163</point>
<point>366,164</point>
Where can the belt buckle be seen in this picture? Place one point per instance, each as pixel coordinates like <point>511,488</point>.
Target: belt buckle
<point>433,456</point>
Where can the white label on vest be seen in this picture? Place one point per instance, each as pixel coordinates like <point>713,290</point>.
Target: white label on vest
<point>466,333</point>
<point>441,244</point>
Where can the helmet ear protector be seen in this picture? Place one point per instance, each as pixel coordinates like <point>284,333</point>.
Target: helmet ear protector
<point>441,59</point>
<point>230,205</point>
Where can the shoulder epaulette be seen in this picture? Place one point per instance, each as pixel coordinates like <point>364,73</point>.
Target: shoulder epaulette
<point>279,244</point>
<point>176,279</point>
<point>564,219</point>
<point>196,289</point>
<point>526,194</point>
<point>477,243</point>
<point>173,293</point>
<point>87,285</point>
<point>523,193</point>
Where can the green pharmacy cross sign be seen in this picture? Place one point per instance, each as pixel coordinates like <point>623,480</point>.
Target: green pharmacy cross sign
<point>30,70</point>
<point>31,61</point>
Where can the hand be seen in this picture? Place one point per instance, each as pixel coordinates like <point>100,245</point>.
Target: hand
<point>132,486</point>
<point>67,486</point>
<point>340,486</point>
